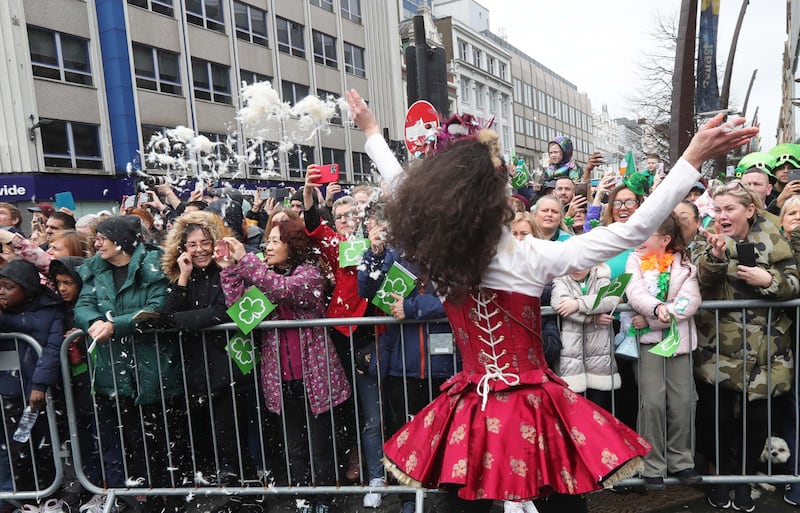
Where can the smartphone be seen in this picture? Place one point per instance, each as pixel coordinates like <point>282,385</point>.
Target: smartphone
<point>746,252</point>
<point>580,189</point>
<point>129,202</point>
<point>278,193</point>
<point>263,194</point>
<point>794,174</point>
<point>330,173</point>
<point>222,249</point>
<point>143,198</point>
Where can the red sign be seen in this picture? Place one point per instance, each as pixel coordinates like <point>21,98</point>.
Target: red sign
<point>422,120</point>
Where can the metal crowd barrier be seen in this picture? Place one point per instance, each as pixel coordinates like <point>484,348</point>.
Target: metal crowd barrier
<point>40,458</point>
<point>182,452</point>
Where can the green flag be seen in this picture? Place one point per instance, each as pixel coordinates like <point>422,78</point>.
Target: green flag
<point>400,281</point>
<point>522,175</point>
<point>351,251</point>
<point>669,345</point>
<point>250,309</point>
<point>240,349</point>
<point>615,288</point>
<point>630,164</point>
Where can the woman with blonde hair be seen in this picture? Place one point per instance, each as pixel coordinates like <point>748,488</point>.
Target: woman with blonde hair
<point>195,301</point>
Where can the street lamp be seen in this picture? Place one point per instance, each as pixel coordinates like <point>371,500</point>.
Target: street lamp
<point>32,130</point>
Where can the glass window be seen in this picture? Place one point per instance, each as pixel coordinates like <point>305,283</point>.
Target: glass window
<point>491,63</point>
<point>336,156</point>
<point>504,105</point>
<point>465,90</point>
<point>354,60</point>
<point>156,69</point>
<point>528,95</point>
<point>328,95</point>
<point>324,49</point>
<point>71,145</point>
<point>519,125</point>
<point>325,4</point>
<point>299,158</point>
<point>478,95</point>
<point>159,6</point>
<point>211,81</point>
<point>251,23</point>
<point>293,92</point>
<point>477,57</point>
<point>464,49</point>
<point>518,90</point>
<point>502,73</point>
<point>351,9</point>
<point>251,77</point>
<point>362,168</point>
<point>206,13</point>
<point>262,157</point>
<point>59,56</point>
<point>290,37</point>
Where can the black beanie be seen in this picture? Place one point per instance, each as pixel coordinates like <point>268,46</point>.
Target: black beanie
<point>124,231</point>
<point>25,274</point>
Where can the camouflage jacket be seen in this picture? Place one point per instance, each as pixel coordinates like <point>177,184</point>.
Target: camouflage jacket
<point>759,362</point>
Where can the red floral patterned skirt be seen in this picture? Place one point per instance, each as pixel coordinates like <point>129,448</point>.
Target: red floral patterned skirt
<point>530,441</point>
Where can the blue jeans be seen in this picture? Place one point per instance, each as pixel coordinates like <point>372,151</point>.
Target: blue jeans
<point>371,435</point>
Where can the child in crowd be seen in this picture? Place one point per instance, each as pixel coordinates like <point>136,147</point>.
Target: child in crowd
<point>664,286</point>
<point>586,363</point>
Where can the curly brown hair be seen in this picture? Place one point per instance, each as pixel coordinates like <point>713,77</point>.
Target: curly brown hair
<point>211,224</point>
<point>449,212</point>
<point>301,248</point>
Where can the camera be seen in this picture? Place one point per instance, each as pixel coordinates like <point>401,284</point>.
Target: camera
<point>152,181</point>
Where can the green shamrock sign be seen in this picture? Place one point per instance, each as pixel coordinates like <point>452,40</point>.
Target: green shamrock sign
<point>252,308</point>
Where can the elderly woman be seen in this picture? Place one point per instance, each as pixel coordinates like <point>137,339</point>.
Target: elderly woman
<point>195,301</point>
<point>301,376</point>
<point>746,367</point>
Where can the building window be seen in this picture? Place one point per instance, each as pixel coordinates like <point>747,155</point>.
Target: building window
<point>351,9</point>
<point>354,60</point>
<point>324,49</point>
<point>251,77</point>
<point>478,95</point>
<point>541,101</point>
<point>156,69</point>
<point>206,13</point>
<point>251,23</point>
<point>528,96</point>
<point>262,157</point>
<point>290,38</point>
<point>329,96</point>
<point>335,156</point>
<point>325,4</point>
<point>464,90</point>
<point>505,141</point>
<point>504,105</point>
<point>463,50</point>
<point>293,92</point>
<point>159,6</point>
<point>59,56</point>
<point>518,90</point>
<point>492,100</point>
<point>476,57</point>
<point>71,145</point>
<point>530,129</point>
<point>211,81</point>
<point>502,73</point>
<point>222,157</point>
<point>299,158</point>
<point>362,168</point>
<point>491,63</point>
<point>519,126</point>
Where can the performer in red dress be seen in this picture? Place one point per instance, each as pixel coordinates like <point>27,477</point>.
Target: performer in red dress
<point>507,427</point>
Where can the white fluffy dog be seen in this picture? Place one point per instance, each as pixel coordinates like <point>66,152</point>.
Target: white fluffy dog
<point>777,451</point>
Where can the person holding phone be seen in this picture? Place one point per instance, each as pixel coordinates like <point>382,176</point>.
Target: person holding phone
<point>726,354</point>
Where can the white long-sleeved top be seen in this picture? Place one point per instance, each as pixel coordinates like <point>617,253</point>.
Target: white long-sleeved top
<point>528,265</point>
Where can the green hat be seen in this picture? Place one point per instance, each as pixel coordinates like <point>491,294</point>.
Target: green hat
<point>759,160</point>
<point>786,153</point>
<point>637,183</point>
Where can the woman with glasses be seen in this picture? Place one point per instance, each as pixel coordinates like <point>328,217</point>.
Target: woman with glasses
<point>506,425</point>
<point>744,356</point>
<point>194,302</point>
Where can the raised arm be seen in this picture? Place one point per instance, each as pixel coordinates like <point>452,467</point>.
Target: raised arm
<point>376,147</point>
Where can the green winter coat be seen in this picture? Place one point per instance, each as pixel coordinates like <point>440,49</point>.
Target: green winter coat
<point>768,339</point>
<point>130,358</point>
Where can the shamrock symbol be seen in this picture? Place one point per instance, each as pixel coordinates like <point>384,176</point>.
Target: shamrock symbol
<point>594,223</point>
<point>355,250</point>
<point>681,304</point>
<point>396,286</point>
<point>242,349</point>
<point>250,309</point>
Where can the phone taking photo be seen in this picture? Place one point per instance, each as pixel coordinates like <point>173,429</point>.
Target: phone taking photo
<point>794,174</point>
<point>330,173</point>
<point>129,202</point>
<point>143,198</point>
<point>222,249</point>
<point>746,253</point>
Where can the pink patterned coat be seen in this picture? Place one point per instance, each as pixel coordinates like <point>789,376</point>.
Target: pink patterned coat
<point>297,296</point>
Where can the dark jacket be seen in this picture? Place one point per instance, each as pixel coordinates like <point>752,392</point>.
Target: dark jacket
<point>199,305</point>
<point>42,318</point>
<point>140,372</point>
<point>406,353</point>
